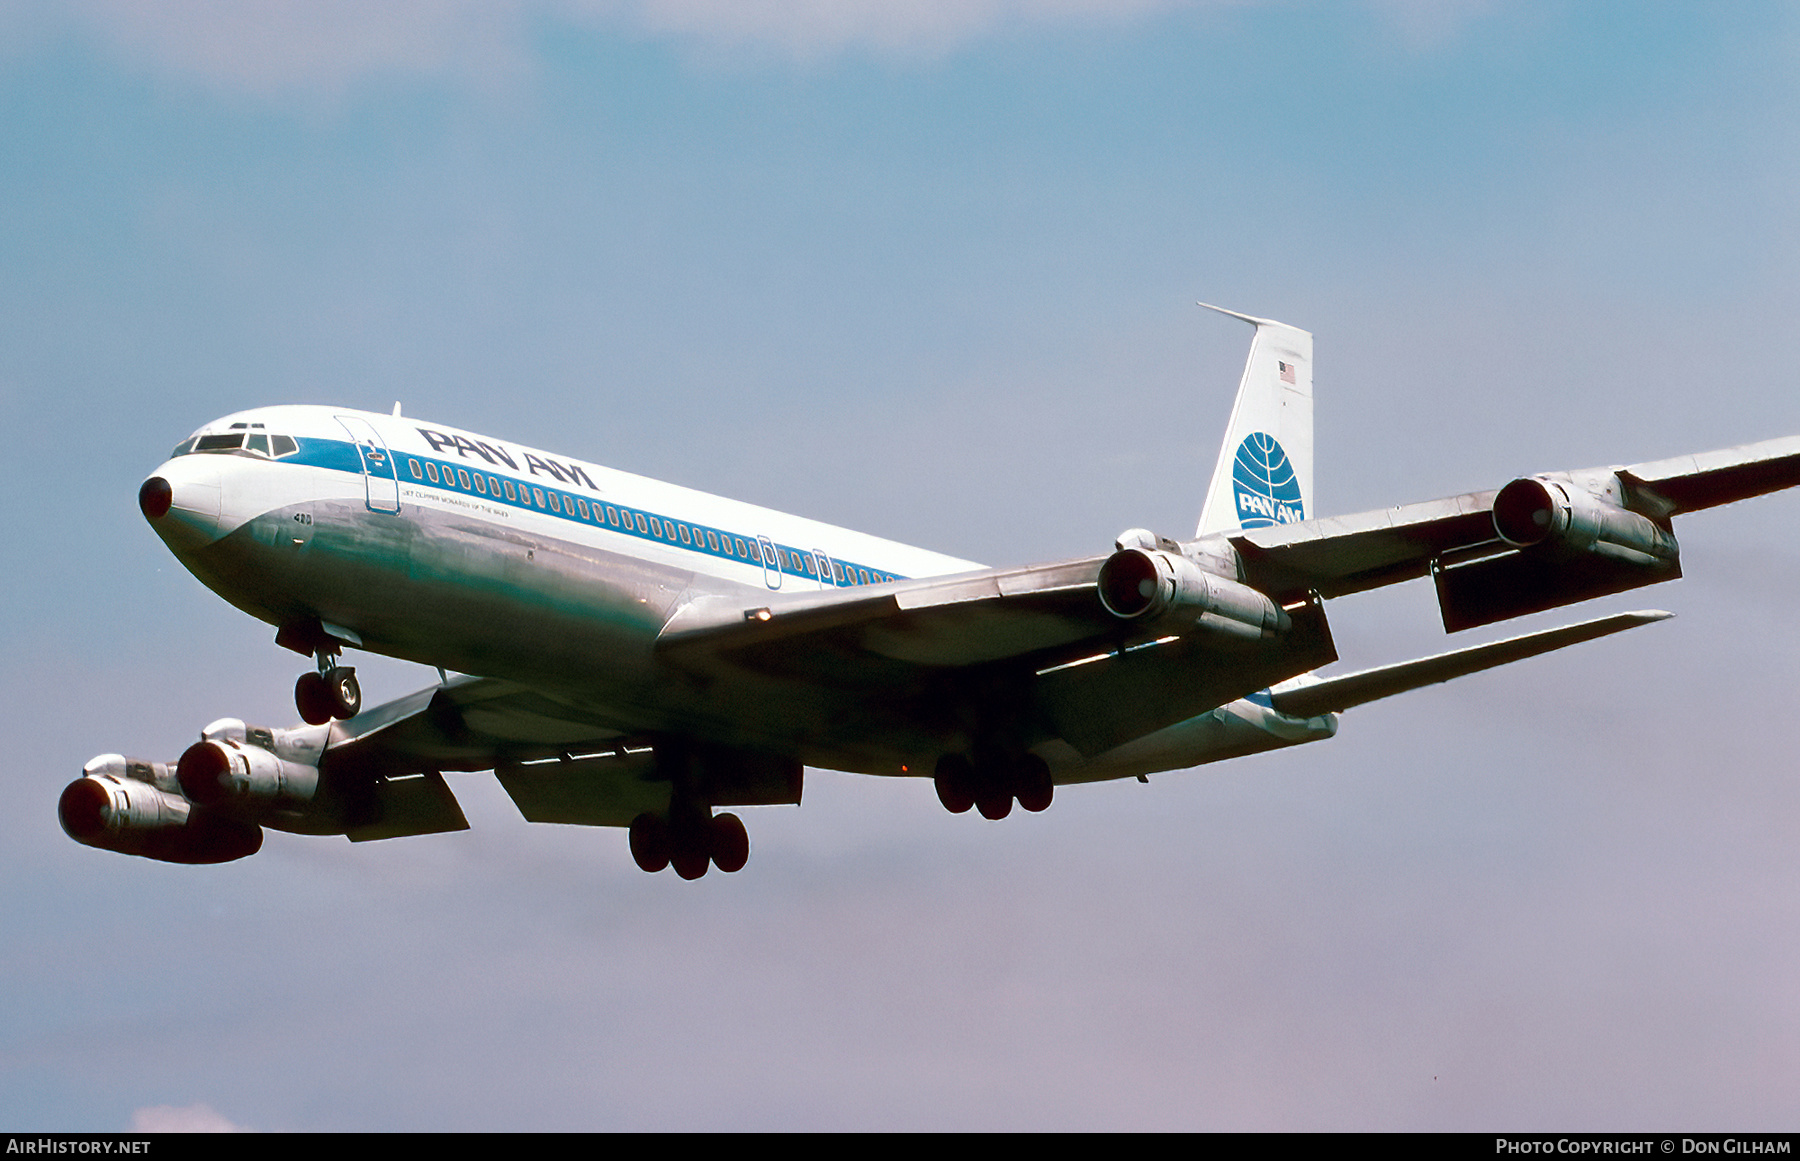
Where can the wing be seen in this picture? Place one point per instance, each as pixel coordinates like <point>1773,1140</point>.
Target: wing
<point>1098,652</point>
<point>1539,543</point>
<point>1049,613</point>
<point>1690,483</point>
<point>969,619</point>
<point>557,762</point>
<point>467,723</point>
<point>917,658</point>
<point>1043,637</point>
<point>556,758</point>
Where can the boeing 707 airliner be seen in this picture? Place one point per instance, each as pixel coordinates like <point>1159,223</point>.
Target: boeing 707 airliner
<point>635,654</point>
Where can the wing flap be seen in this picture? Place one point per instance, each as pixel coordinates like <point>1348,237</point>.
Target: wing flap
<point>1521,583</point>
<point>409,804</point>
<point>612,788</point>
<point>1102,702</point>
<point>608,790</point>
<point>387,763</point>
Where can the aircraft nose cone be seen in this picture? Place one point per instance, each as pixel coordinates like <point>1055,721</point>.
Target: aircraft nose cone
<point>155,497</point>
<point>181,501</point>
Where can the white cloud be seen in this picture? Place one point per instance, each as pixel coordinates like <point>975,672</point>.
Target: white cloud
<point>1424,25</point>
<point>809,28</point>
<point>181,1119</point>
<point>327,43</point>
<point>272,46</point>
<point>322,47</point>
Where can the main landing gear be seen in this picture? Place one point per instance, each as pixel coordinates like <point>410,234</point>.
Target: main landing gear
<point>332,692</point>
<point>690,839</point>
<point>992,783</point>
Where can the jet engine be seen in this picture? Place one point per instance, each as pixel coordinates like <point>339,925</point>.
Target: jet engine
<point>234,764</point>
<point>1152,584</point>
<point>1574,542</point>
<point>1534,510</point>
<point>132,806</point>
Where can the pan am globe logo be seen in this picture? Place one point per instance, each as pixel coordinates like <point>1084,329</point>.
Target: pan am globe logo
<point>1268,491</point>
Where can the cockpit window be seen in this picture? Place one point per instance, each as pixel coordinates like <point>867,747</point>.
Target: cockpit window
<point>274,446</point>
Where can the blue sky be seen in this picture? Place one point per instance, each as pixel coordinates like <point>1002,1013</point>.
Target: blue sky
<point>925,269</point>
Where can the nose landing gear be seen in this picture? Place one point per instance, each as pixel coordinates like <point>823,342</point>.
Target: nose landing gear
<point>332,692</point>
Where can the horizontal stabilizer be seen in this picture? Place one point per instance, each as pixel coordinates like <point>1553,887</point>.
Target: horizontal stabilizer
<point>1354,689</point>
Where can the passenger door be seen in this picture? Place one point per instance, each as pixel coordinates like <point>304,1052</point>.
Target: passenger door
<point>382,481</point>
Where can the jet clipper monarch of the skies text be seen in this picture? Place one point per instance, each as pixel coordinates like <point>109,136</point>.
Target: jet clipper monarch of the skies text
<point>636,654</point>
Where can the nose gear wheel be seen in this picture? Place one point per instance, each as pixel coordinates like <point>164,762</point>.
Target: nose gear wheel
<point>333,693</point>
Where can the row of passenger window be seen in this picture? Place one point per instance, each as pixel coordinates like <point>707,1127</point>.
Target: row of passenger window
<point>711,540</point>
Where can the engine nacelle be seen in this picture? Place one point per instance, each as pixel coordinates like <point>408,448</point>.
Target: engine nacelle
<point>118,767</point>
<point>1534,510</point>
<point>1576,541</point>
<point>233,764</point>
<point>115,807</point>
<point>1149,584</point>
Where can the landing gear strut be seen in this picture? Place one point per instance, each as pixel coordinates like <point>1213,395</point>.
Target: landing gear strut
<point>992,783</point>
<point>687,835</point>
<point>332,692</point>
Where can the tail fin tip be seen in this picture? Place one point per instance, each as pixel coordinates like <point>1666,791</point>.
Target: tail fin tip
<point>1249,318</point>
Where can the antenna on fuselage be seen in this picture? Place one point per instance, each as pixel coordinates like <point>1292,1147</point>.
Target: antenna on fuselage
<point>396,409</point>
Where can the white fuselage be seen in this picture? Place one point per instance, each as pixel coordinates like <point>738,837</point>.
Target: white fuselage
<point>440,546</point>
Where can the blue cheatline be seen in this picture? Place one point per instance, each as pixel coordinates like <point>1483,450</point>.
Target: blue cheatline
<point>1263,479</point>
